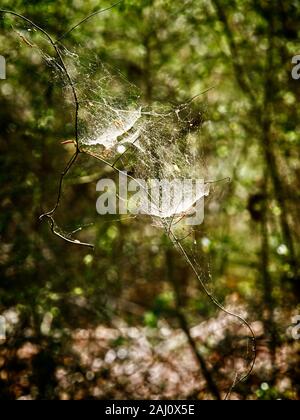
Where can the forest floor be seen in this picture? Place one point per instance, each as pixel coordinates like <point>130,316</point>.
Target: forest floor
<point>125,362</point>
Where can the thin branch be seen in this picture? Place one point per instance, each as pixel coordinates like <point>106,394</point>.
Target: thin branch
<point>65,237</point>
<point>63,174</point>
<point>76,104</point>
<point>220,306</point>
<point>88,18</point>
<point>206,371</point>
<point>9,12</point>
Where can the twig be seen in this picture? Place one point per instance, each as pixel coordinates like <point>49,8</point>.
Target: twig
<point>64,237</point>
<point>88,18</point>
<point>76,104</point>
<point>219,305</point>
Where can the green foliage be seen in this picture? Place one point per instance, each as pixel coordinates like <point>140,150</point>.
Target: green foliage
<point>171,51</point>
